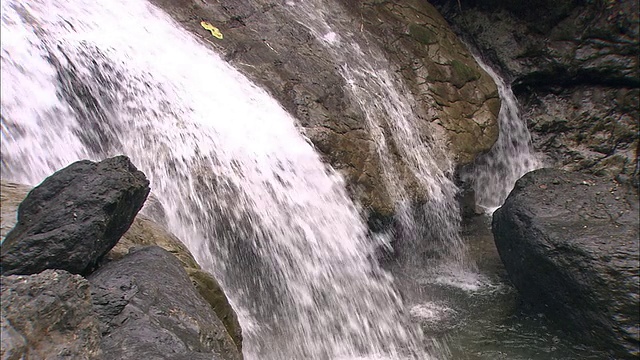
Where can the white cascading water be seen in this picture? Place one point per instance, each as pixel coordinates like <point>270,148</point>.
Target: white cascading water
<point>387,107</point>
<point>495,173</point>
<point>248,195</point>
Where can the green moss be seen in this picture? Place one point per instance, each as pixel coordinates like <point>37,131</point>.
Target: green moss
<point>211,291</point>
<point>462,73</point>
<point>422,34</point>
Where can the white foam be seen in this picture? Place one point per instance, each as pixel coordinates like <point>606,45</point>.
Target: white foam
<point>247,193</point>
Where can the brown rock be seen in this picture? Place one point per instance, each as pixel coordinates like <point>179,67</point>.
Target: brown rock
<point>265,41</point>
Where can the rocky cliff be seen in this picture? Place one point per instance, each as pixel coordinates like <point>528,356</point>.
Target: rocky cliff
<point>574,68</point>
<point>570,244</point>
<point>454,99</point>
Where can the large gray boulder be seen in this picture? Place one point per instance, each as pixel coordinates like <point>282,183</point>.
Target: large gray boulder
<point>74,217</point>
<point>149,309</point>
<point>569,242</point>
<point>143,232</point>
<point>48,316</point>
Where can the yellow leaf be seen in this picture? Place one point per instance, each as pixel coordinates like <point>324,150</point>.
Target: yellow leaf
<point>214,30</point>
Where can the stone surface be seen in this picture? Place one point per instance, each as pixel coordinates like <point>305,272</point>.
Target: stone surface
<point>587,128</point>
<point>214,295</point>
<point>574,68</point>
<point>452,91</point>
<point>544,42</point>
<point>569,242</point>
<point>144,318</point>
<point>144,232</point>
<point>455,100</point>
<point>74,217</point>
<point>48,316</point>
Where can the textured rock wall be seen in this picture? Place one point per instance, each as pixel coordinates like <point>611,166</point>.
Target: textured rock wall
<point>452,91</point>
<point>48,316</point>
<point>569,242</point>
<point>574,68</point>
<point>263,40</point>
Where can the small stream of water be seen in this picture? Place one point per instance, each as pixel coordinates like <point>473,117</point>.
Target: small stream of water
<point>495,173</point>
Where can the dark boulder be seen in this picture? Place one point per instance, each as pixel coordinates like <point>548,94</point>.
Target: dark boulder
<point>569,242</point>
<point>144,232</point>
<point>48,316</point>
<point>74,217</point>
<point>149,309</point>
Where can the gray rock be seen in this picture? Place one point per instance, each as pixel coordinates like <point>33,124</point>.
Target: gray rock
<point>574,68</point>
<point>48,316</point>
<point>587,128</point>
<point>74,217</point>
<point>143,231</point>
<point>543,42</point>
<point>149,309</point>
<point>569,242</point>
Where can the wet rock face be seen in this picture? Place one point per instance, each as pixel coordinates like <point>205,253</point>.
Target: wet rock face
<point>74,217</point>
<point>452,91</point>
<point>574,67</point>
<point>143,318</point>
<point>560,42</point>
<point>48,316</point>
<point>267,43</point>
<point>587,128</point>
<point>569,242</point>
<point>145,232</point>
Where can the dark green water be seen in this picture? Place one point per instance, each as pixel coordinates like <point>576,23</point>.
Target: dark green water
<point>479,315</point>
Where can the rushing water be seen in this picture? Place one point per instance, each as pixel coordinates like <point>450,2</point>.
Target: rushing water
<point>248,195</point>
<point>392,122</point>
<point>495,173</point>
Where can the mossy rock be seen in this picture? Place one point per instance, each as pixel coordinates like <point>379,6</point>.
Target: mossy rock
<point>462,73</point>
<point>422,34</point>
<point>145,232</point>
<point>11,195</point>
<point>211,291</point>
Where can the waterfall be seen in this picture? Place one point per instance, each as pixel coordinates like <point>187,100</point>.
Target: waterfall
<point>246,193</point>
<point>494,174</point>
<point>388,108</point>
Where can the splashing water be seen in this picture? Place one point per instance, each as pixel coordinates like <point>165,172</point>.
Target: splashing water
<point>248,195</point>
<point>495,173</point>
<point>395,127</point>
